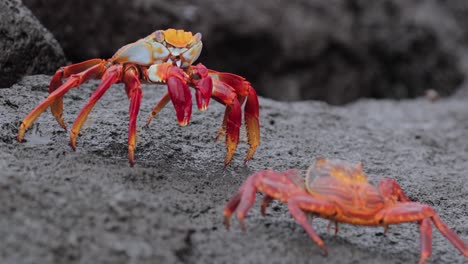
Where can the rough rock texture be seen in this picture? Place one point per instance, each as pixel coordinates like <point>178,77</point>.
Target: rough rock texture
<point>336,51</point>
<point>26,47</point>
<point>89,206</point>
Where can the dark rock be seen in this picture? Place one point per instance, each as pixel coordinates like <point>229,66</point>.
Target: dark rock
<point>26,47</point>
<point>335,51</point>
<point>89,206</point>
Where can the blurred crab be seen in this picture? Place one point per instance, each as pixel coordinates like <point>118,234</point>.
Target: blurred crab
<point>340,192</point>
<point>165,56</point>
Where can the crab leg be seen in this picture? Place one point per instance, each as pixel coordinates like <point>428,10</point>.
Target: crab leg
<point>416,212</point>
<point>64,72</point>
<point>225,95</point>
<point>300,203</point>
<point>244,91</point>
<point>425,229</point>
<point>161,104</point>
<point>75,80</point>
<point>251,113</point>
<point>265,202</point>
<point>112,75</point>
<point>133,85</point>
<point>275,185</point>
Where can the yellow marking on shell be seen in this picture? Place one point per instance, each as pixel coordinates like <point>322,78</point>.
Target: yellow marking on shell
<point>159,50</point>
<point>178,38</point>
<point>346,175</point>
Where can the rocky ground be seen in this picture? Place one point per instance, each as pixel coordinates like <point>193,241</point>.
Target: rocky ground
<point>89,206</point>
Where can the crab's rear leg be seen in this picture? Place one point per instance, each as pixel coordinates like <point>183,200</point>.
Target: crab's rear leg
<point>112,75</point>
<point>245,92</point>
<point>75,80</point>
<point>251,113</point>
<point>64,72</point>
<point>417,212</point>
<point>225,95</point>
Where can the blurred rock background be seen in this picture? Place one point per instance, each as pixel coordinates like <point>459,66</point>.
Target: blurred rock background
<point>26,47</point>
<point>331,50</point>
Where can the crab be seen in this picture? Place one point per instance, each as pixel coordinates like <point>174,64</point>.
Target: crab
<point>339,191</point>
<point>163,57</point>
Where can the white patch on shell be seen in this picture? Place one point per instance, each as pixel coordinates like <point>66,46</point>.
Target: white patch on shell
<point>152,76</point>
<point>160,52</point>
<point>139,53</point>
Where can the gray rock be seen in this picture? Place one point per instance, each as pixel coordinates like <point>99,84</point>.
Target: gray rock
<point>26,47</point>
<point>89,206</point>
<point>336,51</point>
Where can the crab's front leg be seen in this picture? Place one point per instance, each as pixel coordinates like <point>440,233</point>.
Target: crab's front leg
<point>275,185</point>
<point>134,92</point>
<point>178,90</point>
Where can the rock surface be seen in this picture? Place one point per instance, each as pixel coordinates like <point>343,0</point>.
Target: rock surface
<point>26,47</point>
<point>336,51</point>
<point>89,206</point>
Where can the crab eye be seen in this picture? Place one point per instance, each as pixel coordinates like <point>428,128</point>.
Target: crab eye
<point>159,36</point>
<point>198,37</point>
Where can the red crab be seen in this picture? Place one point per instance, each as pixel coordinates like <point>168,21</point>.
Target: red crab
<point>165,56</point>
<point>340,192</point>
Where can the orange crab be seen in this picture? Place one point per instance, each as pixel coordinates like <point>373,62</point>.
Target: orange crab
<point>165,56</point>
<point>340,192</point>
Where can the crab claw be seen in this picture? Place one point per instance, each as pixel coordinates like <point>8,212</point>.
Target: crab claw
<point>181,98</point>
<point>203,85</point>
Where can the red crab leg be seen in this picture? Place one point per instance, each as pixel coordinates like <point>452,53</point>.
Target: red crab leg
<point>425,229</point>
<point>161,104</point>
<point>74,80</point>
<point>64,72</point>
<point>244,90</point>
<point>416,212</point>
<point>132,82</point>
<point>265,202</point>
<point>274,184</point>
<point>111,76</point>
<point>225,95</point>
<point>251,113</point>
<point>300,203</point>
